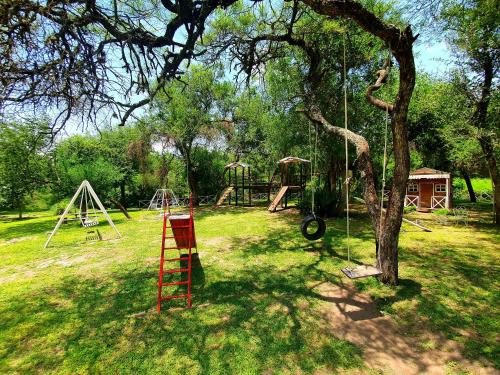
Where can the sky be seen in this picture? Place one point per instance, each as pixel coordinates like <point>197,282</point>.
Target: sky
<point>432,58</point>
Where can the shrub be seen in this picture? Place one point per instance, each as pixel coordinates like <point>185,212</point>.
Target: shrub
<point>58,208</point>
<point>409,209</point>
<point>443,211</point>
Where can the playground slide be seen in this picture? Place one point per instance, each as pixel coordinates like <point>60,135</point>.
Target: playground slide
<point>224,196</point>
<point>277,199</point>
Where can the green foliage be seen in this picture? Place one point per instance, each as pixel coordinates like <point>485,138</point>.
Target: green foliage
<point>443,211</point>
<point>409,209</point>
<point>24,165</point>
<point>480,186</point>
<point>190,116</point>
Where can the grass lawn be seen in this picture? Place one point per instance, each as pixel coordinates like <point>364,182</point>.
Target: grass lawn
<point>257,308</point>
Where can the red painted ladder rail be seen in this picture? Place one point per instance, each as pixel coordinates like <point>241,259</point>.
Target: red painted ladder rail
<point>182,228</point>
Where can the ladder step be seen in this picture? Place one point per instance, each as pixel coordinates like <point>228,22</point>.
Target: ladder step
<point>175,283</point>
<point>166,298</point>
<point>176,259</point>
<point>179,227</point>
<point>176,270</point>
<point>172,248</point>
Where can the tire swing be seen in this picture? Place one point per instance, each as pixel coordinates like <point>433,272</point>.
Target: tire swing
<point>320,230</point>
<point>312,219</point>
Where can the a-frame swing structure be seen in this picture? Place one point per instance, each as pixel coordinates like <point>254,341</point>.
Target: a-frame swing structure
<point>87,199</point>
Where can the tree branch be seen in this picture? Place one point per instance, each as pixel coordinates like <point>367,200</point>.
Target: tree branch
<point>382,76</point>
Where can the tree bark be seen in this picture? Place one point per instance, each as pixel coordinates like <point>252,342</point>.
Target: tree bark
<point>479,119</point>
<point>470,189</point>
<point>400,43</point>
<point>192,181</point>
<point>121,207</point>
<point>489,154</point>
<point>123,198</point>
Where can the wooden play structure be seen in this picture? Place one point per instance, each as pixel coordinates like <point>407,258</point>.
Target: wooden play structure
<point>429,189</point>
<point>293,177</point>
<point>87,214</point>
<point>240,184</point>
<point>178,230</point>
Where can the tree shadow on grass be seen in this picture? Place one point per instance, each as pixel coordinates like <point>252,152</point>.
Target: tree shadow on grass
<point>26,228</point>
<point>31,228</point>
<point>253,321</point>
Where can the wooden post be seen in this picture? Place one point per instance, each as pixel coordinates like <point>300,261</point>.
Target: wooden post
<point>230,184</point>
<point>287,173</point>
<point>243,185</point>
<point>236,185</point>
<point>249,187</point>
<point>448,195</point>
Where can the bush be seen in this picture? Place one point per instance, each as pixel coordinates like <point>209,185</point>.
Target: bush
<point>326,201</point>
<point>59,207</point>
<point>409,209</point>
<point>443,211</point>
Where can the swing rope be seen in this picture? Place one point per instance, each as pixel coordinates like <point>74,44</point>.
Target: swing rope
<point>313,157</point>
<point>346,147</point>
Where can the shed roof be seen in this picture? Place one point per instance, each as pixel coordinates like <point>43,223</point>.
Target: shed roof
<point>428,173</point>
<point>426,170</point>
<point>236,164</point>
<point>292,159</point>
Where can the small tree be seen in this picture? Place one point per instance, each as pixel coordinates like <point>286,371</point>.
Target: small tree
<point>23,160</point>
<point>188,115</point>
<point>472,31</point>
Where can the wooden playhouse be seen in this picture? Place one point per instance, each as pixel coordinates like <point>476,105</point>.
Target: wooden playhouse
<point>429,189</point>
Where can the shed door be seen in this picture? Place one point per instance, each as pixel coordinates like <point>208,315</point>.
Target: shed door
<point>426,195</point>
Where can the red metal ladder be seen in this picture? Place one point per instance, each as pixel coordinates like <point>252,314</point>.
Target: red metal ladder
<point>182,229</point>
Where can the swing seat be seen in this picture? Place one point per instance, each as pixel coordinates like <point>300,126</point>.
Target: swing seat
<point>363,270</point>
<point>90,223</point>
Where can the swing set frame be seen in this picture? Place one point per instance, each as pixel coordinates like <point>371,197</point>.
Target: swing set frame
<point>84,189</point>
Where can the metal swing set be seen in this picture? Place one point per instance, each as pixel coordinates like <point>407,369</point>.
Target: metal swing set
<point>87,213</point>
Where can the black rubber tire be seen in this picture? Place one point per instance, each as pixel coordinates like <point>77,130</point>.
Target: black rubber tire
<point>320,232</point>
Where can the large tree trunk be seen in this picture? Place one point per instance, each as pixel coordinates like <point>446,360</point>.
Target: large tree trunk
<point>400,43</point>
<point>192,182</point>
<point>489,154</point>
<point>121,207</point>
<point>479,119</point>
<point>470,189</point>
<point>123,198</point>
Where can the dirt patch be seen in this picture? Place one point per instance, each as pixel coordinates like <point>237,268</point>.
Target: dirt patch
<point>214,241</point>
<point>18,239</point>
<point>352,316</point>
<point>65,260</point>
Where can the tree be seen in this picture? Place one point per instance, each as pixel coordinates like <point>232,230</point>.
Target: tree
<point>259,47</point>
<point>61,52</point>
<point>88,56</point>
<point>24,163</point>
<point>105,160</point>
<point>189,114</point>
<point>440,132</point>
<point>472,30</point>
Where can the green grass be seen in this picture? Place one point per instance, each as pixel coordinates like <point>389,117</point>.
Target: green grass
<point>70,308</point>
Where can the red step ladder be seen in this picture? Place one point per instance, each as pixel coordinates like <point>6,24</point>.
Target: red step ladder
<point>182,234</point>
